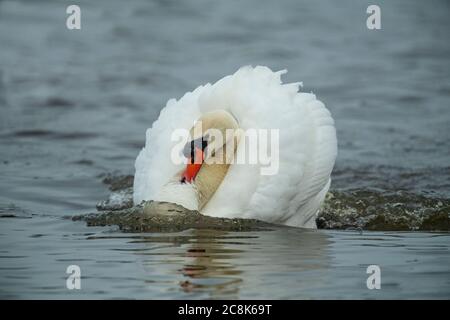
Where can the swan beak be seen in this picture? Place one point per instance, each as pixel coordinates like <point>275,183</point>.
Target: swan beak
<point>193,166</point>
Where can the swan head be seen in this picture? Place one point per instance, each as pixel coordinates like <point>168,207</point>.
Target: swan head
<point>210,150</point>
<point>214,139</point>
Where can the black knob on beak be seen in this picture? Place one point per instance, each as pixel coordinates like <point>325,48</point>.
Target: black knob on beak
<point>189,148</point>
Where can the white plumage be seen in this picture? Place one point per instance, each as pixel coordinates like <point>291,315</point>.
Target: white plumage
<point>257,98</point>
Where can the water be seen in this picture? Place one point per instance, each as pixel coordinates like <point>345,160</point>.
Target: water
<point>200,264</point>
<point>74,106</point>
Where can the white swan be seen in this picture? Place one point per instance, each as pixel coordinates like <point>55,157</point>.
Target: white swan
<point>251,98</point>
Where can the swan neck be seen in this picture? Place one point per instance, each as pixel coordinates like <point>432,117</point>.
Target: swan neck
<point>208,181</point>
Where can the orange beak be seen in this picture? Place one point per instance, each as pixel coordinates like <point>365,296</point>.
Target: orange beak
<point>193,166</point>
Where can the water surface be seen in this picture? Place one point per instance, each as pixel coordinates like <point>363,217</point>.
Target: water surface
<point>203,264</point>
<point>74,106</point>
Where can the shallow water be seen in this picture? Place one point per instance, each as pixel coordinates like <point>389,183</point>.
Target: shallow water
<point>201,264</point>
<point>74,106</point>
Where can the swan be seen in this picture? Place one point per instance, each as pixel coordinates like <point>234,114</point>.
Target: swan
<point>251,98</point>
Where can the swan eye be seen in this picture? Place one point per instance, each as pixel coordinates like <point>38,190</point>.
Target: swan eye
<point>204,144</point>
